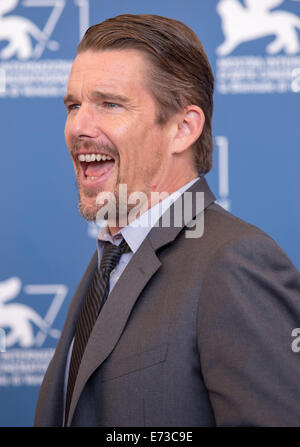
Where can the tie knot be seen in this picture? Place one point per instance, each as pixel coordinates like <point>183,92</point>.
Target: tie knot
<point>112,253</point>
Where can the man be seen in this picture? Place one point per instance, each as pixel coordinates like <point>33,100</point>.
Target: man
<point>187,329</point>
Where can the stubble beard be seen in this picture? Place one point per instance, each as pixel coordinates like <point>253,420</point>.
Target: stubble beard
<point>87,211</point>
<point>90,210</point>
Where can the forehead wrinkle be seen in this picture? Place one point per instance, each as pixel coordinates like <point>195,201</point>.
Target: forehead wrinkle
<point>113,62</point>
<point>91,77</point>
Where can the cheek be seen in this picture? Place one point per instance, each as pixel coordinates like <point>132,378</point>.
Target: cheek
<point>67,135</point>
<point>76,168</point>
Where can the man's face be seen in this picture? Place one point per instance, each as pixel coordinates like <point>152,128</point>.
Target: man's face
<point>112,114</point>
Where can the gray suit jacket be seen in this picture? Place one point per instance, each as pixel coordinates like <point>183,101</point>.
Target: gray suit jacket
<point>197,332</point>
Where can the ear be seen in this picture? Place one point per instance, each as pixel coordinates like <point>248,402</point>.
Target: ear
<point>190,125</point>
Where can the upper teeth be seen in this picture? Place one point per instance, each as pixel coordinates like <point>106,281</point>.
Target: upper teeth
<point>93,157</point>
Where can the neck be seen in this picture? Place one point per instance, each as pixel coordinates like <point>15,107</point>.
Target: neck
<point>157,194</point>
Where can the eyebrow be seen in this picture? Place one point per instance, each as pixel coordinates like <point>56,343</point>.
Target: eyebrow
<point>97,95</point>
<point>69,98</point>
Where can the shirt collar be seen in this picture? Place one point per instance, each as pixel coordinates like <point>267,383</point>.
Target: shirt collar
<point>135,232</point>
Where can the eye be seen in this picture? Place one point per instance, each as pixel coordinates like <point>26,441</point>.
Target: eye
<point>110,105</point>
<point>71,107</point>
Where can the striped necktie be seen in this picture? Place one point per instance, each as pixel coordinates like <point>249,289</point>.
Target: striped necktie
<point>94,300</point>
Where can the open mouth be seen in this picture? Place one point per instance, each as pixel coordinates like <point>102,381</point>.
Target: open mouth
<point>95,168</point>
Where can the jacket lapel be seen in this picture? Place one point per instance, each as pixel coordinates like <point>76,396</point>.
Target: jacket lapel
<point>49,410</point>
<point>162,235</point>
<point>115,313</point>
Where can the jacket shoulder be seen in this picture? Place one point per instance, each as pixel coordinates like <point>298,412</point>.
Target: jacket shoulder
<point>223,231</point>
<point>225,226</point>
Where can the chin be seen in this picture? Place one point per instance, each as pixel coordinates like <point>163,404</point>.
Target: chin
<point>88,213</point>
<point>88,208</point>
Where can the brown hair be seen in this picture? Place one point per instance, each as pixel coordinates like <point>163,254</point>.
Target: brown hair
<point>180,73</point>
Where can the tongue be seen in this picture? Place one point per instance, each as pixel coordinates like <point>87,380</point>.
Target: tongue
<point>96,169</point>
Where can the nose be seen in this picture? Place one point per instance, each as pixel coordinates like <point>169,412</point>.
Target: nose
<point>81,123</point>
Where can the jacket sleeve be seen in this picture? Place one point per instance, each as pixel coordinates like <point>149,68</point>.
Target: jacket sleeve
<point>248,309</point>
